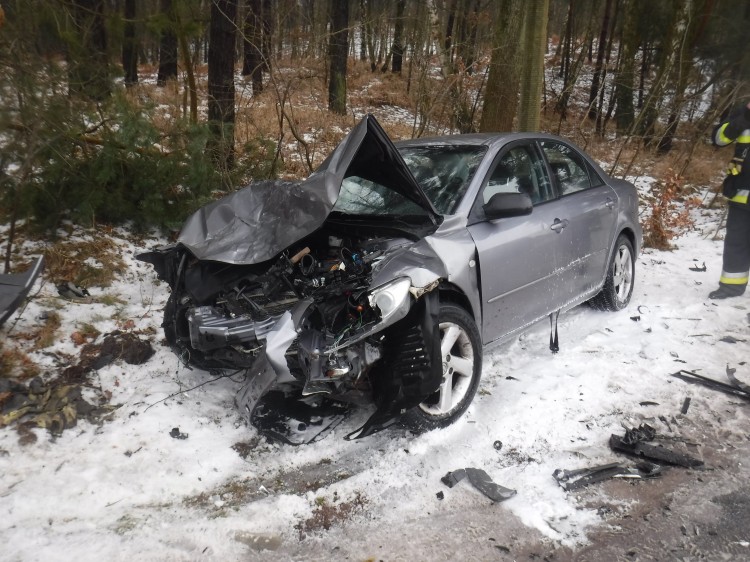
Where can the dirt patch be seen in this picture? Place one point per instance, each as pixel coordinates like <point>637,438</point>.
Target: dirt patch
<point>326,515</point>
<point>88,263</point>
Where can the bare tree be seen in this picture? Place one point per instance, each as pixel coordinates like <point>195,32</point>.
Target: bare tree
<point>338,49</point>
<point>129,44</point>
<point>532,73</point>
<point>167,45</point>
<point>501,94</point>
<point>221,58</point>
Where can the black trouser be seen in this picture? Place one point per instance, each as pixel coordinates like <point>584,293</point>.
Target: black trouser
<point>736,267</point>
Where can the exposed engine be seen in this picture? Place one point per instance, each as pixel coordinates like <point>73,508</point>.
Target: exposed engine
<point>226,311</point>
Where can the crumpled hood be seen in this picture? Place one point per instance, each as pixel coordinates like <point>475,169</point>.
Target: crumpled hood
<point>260,221</point>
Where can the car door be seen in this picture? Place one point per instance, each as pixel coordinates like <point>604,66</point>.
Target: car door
<point>517,255</point>
<point>589,207</point>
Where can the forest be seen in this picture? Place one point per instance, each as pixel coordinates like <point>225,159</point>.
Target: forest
<point>138,112</point>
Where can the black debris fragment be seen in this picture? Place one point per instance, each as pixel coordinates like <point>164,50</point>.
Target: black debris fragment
<point>635,318</point>
<point>685,405</point>
<point>731,339</point>
<point>701,268</point>
<point>695,378</point>
<point>648,403</point>
<point>644,432</point>
<point>739,384</point>
<point>70,291</point>
<point>574,479</point>
<point>175,434</point>
<point>498,445</point>
<point>440,495</point>
<point>454,477</point>
<point>481,481</point>
<point>660,454</point>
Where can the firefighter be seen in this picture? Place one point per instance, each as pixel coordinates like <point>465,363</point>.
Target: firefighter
<point>735,128</point>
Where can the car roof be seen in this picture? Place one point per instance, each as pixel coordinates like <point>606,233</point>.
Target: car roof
<point>474,139</point>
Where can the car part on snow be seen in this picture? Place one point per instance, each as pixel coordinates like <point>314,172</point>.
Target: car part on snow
<point>699,269</point>
<point>644,432</point>
<point>634,445</point>
<point>15,286</point>
<point>288,416</point>
<point>570,480</point>
<point>739,384</point>
<point>176,434</point>
<point>481,481</point>
<point>71,291</point>
<point>497,445</point>
<point>685,405</point>
<point>554,343</point>
<point>731,339</point>
<point>695,378</point>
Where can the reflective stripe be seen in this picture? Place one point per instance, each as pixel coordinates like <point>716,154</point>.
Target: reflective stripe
<point>741,196</point>
<point>720,137</point>
<point>744,137</point>
<point>734,278</point>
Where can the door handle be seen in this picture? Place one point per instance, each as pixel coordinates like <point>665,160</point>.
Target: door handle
<point>609,203</point>
<point>559,225</point>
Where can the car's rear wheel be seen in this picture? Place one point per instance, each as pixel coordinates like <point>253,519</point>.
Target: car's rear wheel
<point>461,351</point>
<point>618,286</point>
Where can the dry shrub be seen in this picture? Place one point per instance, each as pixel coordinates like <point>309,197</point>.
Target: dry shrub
<point>64,261</point>
<point>47,333</point>
<point>15,364</point>
<point>325,515</point>
<point>670,212</point>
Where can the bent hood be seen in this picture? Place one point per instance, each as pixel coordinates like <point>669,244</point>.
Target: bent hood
<point>258,222</point>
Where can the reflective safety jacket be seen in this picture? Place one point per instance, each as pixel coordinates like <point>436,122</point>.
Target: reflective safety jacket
<point>735,127</point>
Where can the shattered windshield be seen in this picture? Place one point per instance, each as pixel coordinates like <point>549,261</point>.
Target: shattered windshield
<point>443,172</point>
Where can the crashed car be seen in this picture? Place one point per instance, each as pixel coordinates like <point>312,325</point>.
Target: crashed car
<point>383,275</point>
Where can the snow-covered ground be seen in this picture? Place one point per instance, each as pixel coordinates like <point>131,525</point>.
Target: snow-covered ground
<point>127,490</point>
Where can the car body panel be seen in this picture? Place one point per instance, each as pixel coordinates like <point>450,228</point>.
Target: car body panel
<point>257,223</point>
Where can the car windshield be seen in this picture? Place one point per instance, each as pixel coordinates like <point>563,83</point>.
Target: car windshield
<point>443,172</point>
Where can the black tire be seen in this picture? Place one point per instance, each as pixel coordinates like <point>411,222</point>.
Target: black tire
<point>465,354</point>
<point>618,286</point>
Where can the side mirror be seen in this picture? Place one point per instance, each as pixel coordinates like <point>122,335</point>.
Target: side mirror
<point>504,205</point>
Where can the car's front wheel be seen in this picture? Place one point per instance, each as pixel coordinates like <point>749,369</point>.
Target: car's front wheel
<point>461,352</point>
<point>618,286</point>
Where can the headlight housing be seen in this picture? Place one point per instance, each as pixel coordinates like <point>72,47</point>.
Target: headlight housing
<point>391,300</point>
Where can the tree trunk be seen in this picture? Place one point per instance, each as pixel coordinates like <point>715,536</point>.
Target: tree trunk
<point>398,37</point>
<point>129,45</point>
<point>252,64</point>
<point>624,76</point>
<point>267,21</point>
<point>167,46</point>
<point>221,55</point>
<point>532,73</point>
<point>600,50</point>
<point>501,94</point>
<point>693,15</point>
<point>338,48</point>
<point>88,61</point>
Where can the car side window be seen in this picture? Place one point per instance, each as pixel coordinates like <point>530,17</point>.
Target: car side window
<point>520,170</point>
<point>569,168</point>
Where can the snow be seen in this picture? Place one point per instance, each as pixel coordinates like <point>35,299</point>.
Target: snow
<point>125,489</point>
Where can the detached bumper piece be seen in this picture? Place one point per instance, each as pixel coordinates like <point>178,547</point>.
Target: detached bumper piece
<point>481,481</point>
<point>15,287</point>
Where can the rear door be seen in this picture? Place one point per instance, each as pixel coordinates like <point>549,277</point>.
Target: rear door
<point>518,256</point>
